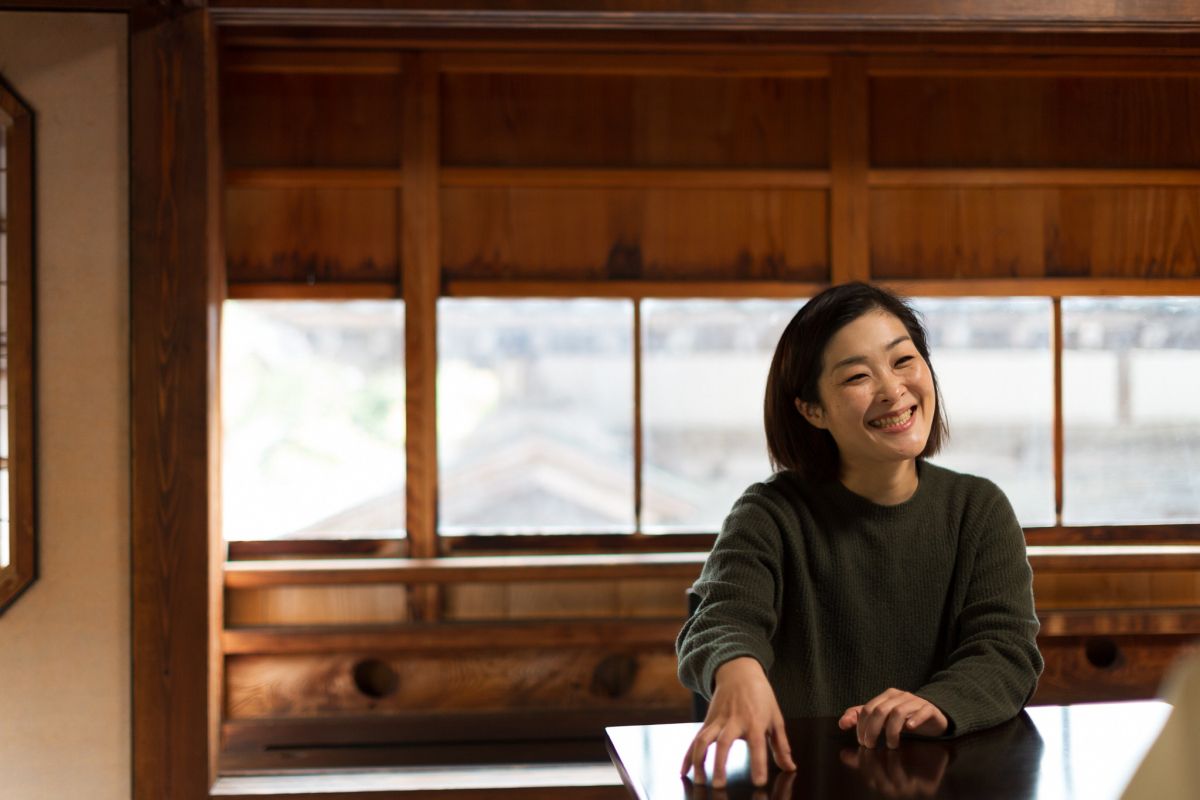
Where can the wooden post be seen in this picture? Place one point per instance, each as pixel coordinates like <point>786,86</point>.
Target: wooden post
<point>174,308</point>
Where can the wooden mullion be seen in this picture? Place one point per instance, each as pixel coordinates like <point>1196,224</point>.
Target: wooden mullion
<point>622,178</point>
<point>421,266</point>
<point>849,200</point>
<point>993,177</point>
<point>1183,533</point>
<point>1057,430</point>
<point>638,444</point>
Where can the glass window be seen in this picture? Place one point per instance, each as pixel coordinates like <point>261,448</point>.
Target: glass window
<point>535,416</point>
<point>1131,418</point>
<point>312,399</point>
<point>704,372</point>
<point>995,368</point>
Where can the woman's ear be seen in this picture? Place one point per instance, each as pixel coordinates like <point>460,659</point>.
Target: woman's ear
<point>812,412</point>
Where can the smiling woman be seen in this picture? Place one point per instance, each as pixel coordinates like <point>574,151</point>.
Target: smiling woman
<point>859,580</point>
<point>18,563</point>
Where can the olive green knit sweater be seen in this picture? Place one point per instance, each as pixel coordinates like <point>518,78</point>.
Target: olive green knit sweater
<point>840,598</point>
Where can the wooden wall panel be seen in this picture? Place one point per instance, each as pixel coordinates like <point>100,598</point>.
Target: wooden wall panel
<point>633,121</point>
<point>318,234</point>
<point>1093,669</point>
<point>491,679</point>
<point>557,600</point>
<point>630,233</point>
<point>316,605</point>
<point>1148,232</point>
<point>311,120</point>
<point>1167,589</point>
<point>1023,121</point>
<point>1028,232</point>
<point>956,233</point>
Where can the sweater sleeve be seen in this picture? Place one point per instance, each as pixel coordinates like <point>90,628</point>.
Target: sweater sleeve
<point>993,663</point>
<point>740,590</point>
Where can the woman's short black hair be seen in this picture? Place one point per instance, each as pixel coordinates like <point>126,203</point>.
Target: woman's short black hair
<point>792,441</point>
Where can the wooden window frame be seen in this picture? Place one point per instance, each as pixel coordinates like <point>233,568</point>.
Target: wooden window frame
<point>22,570</point>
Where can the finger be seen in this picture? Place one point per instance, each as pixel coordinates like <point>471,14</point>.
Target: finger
<point>758,759</point>
<point>724,742</point>
<point>920,717</point>
<point>780,747</point>
<point>850,718</point>
<point>894,725</point>
<point>697,751</point>
<point>879,718</point>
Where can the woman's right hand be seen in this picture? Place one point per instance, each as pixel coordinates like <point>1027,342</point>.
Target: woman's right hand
<point>743,706</point>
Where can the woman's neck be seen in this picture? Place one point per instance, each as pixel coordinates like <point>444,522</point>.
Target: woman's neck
<point>882,484</point>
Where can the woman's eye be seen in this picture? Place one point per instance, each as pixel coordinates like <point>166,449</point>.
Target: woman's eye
<point>855,378</point>
<point>903,360</point>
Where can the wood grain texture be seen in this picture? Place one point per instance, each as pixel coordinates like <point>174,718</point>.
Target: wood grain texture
<point>311,120</point>
<point>651,234</point>
<point>312,236</point>
<point>849,159</point>
<point>625,121</point>
<point>475,569</point>
<point>317,605</point>
<point>490,680</point>
<point>1055,121</point>
<point>20,345</point>
<point>1079,669</point>
<point>453,637</point>
<point>422,256</point>
<point>173,338</point>
<point>1142,233</point>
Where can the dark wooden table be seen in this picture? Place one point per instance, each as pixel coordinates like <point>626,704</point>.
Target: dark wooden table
<point>1085,751</point>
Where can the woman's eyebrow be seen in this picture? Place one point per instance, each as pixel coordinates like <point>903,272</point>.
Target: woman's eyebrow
<point>860,359</point>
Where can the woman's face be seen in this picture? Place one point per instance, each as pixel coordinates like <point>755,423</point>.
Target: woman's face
<point>877,396</point>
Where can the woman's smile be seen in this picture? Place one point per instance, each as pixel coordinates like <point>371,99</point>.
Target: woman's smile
<point>877,397</point>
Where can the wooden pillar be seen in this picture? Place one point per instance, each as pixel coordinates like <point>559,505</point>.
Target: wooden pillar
<point>174,308</point>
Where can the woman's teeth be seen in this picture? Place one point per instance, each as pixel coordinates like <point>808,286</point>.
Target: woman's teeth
<point>891,422</point>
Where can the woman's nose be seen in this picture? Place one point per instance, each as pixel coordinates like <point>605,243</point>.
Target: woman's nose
<point>891,388</point>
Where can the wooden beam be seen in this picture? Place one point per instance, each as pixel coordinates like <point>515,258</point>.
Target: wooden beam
<point>738,65</point>
<point>1120,622</point>
<point>1025,177</point>
<point>849,158</point>
<point>331,290</point>
<point>635,178</point>
<point>173,384</point>
<point>293,61</point>
<point>314,178</point>
<point>465,569</point>
<point>451,636</point>
<point>630,289</point>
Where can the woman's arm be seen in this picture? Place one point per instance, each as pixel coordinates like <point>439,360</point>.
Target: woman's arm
<point>993,663</point>
<point>725,649</point>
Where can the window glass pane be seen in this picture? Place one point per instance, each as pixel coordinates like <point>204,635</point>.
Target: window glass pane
<point>704,371</point>
<point>1131,420</point>
<point>312,400</point>
<point>535,416</point>
<point>995,369</point>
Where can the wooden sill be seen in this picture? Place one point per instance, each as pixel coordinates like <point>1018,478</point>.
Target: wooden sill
<point>632,566</point>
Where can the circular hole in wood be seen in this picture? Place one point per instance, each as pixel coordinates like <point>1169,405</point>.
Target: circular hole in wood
<point>614,675</point>
<point>1102,653</point>
<point>375,678</point>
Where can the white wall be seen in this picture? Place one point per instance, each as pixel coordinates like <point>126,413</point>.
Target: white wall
<point>64,646</point>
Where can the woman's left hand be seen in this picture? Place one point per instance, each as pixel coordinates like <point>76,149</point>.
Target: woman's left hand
<point>892,713</point>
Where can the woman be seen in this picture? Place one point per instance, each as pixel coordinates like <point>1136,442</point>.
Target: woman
<point>859,580</point>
